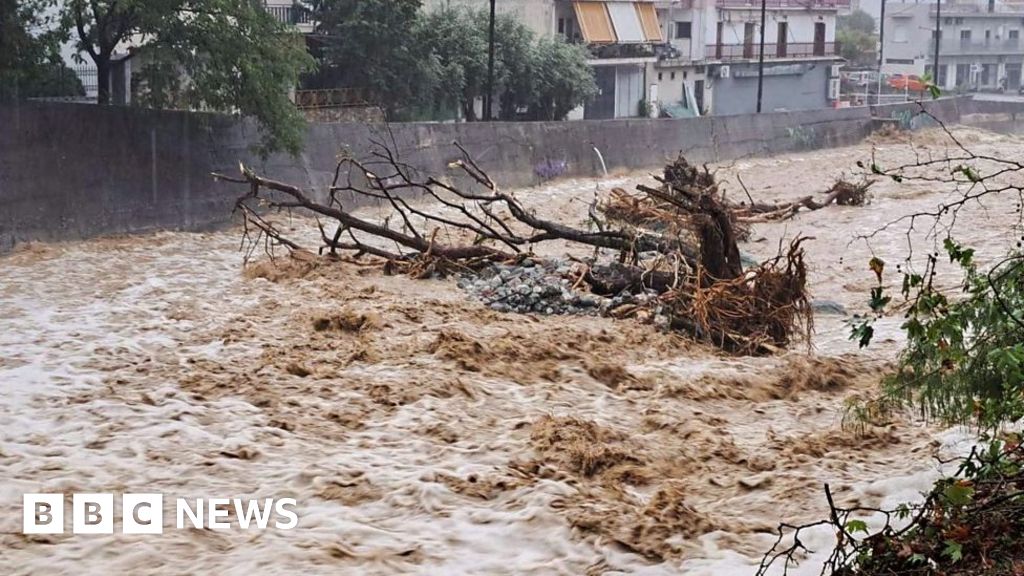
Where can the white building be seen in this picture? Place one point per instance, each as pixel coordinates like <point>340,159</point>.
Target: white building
<point>979,43</point>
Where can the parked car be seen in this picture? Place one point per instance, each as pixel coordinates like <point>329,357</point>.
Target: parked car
<point>910,83</point>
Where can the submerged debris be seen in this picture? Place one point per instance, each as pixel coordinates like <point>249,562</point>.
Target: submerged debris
<point>668,255</point>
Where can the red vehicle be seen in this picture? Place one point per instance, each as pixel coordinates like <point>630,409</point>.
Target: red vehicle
<point>909,83</point>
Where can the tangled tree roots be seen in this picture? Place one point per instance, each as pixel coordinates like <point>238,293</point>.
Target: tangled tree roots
<point>677,240</point>
<point>763,307</point>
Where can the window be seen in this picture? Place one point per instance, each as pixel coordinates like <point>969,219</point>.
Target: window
<point>899,34</point>
<point>1014,35</point>
<point>561,25</point>
<point>660,76</point>
<point>684,30</point>
<point>782,40</point>
<point>673,76</point>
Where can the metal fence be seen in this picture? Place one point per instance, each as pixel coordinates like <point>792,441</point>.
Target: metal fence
<point>289,14</point>
<point>772,50</point>
<point>87,76</point>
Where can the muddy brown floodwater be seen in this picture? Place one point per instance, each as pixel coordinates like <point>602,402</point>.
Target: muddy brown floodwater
<point>421,432</point>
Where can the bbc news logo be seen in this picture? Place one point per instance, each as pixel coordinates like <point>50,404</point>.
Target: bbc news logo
<point>144,513</point>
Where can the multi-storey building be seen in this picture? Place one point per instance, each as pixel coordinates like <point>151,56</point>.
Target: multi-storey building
<point>688,57</point>
<point>979,43</point>
<point>800,52</point>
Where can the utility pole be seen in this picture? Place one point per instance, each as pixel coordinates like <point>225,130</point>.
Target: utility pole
<point>938,39</point>
<point>490,70</point>
<point>881,51</point>
<point>760,61</point>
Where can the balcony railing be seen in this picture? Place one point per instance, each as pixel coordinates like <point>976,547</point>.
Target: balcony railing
<point>772,51</point>
<point>289,14</point>
<point>807,4</point>
<point>963,46</point>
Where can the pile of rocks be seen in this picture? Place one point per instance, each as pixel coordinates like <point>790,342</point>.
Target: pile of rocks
<point>542,287</point>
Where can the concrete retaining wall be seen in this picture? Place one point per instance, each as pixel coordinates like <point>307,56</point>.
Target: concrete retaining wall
<point>73,171</point>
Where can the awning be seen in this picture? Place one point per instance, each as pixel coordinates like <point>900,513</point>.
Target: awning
<point>649,21</point>
<point>618,21</point>
<point>626,20</point>
<point>595,24</point>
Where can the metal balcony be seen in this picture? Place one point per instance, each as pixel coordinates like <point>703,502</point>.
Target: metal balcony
<point>772,51</point>
<point>791,4</point>
<point>294,15</point>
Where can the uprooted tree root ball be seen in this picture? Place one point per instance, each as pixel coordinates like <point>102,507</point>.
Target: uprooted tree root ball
<point>670,251</point>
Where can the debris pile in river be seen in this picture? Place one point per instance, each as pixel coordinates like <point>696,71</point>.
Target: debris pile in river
<point>669,251</point>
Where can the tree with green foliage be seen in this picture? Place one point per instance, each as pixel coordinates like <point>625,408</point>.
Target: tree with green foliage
<point>515,63</point>
<point>373,45</point>
<point>858,43</point>
<point>457,47</point>
<point>964,358</point>
<point>963,363</point>
<point>438,61</point>
<point>542,80</point>
<point>224,55</point>
<point>564,80</point>
<point>31,64</point>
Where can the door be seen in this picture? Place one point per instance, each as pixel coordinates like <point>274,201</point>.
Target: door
<point>963,74</point>
<point>602,107</point>
<point>1013,76</point>
<point>698,94</point>
<point>629,91</point>
<point>748,40</point>
<point>782,40</point>
<point>819,38</point>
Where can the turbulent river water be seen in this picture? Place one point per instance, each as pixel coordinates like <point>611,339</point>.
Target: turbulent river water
<point>424,433</point>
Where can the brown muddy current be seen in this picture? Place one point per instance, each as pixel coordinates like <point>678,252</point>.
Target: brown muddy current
<point>421,432</point>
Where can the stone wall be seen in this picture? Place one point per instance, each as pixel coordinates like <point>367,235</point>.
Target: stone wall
<point>71,171</point>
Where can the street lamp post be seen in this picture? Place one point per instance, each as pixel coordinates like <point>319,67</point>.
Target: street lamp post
<point>760,61</point>
<point>490,69</point>
<point>938,38</point>
<point>881,52</point>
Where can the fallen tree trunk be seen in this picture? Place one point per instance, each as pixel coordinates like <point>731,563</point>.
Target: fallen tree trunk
<point>842,193</point>
<point>694,266</point>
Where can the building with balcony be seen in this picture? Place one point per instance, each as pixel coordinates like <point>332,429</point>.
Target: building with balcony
<point>692,57</point>
<point>800,53</point>
<point>979,43</point>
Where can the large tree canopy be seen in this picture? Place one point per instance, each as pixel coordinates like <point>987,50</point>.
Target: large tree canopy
<point>437,61</point>
<point>225,55</point>
<point>371,44</point>
<point>30,62</point>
